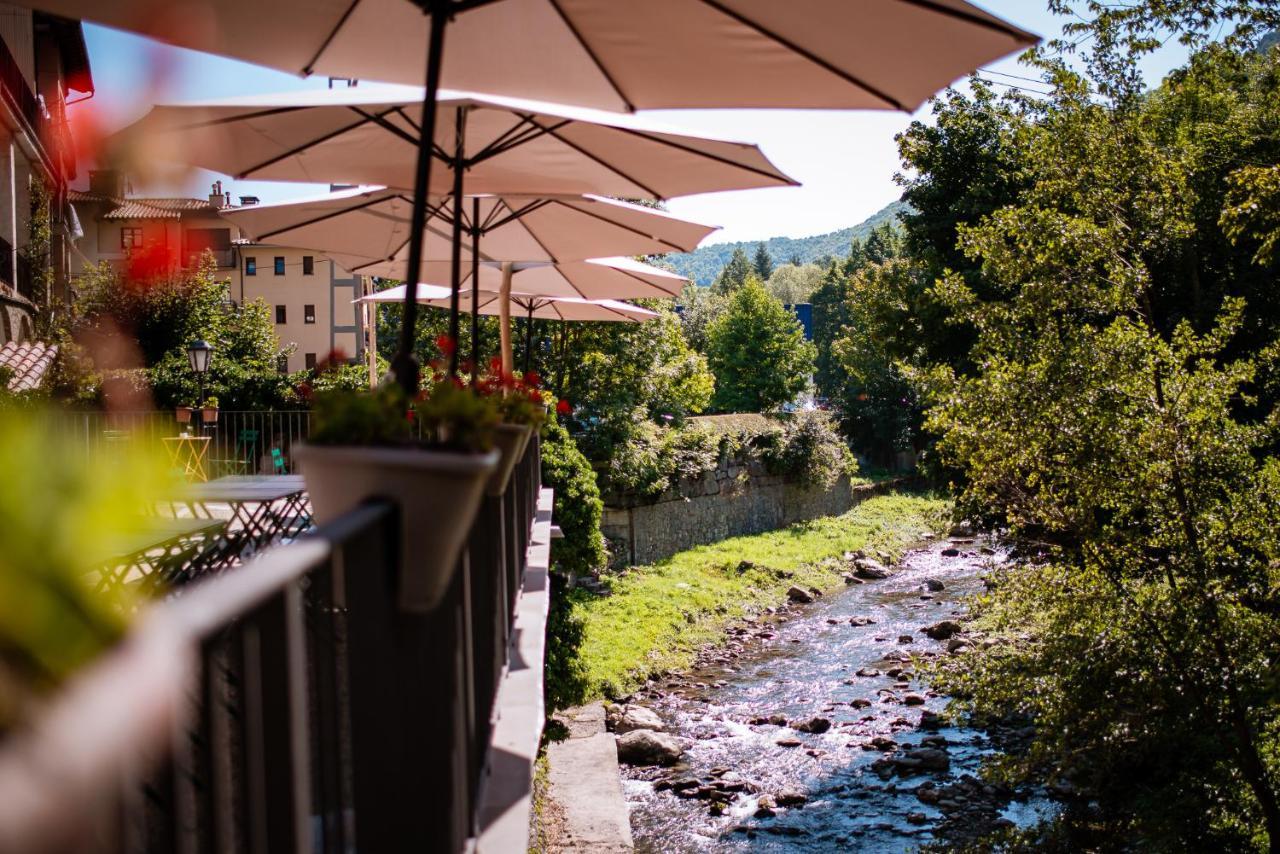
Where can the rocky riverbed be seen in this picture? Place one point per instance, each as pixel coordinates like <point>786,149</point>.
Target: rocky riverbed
<point>808,730</point>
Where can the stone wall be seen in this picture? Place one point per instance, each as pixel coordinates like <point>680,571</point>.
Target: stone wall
<point>734,499</point>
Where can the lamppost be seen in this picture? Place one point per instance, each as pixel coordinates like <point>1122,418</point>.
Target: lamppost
<point>198,355</point>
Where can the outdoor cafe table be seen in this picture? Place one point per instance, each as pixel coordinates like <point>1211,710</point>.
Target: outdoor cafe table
<point>264,509</point>
<point>189,454</point>
<point>163,551</point>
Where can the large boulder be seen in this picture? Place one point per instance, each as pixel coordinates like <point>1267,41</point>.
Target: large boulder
<point>645,747</point>
<point>943,630</point>
<point>813,725</point>
<point>798,594</point>
<point>628,718</point>
<point>869,569</point>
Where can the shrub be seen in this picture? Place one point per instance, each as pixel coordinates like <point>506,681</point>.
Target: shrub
<point>810,450</point>
<point>578,507</point>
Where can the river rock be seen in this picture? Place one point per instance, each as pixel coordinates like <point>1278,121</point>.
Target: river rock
<point>930,720</point>
<point>629,718</point>
<point>798,594</point>
<point>790,798</point>
<point>957,645</point>
<point>943,630</point>
<point>788,742</point>
<point>916,818</point>
<point>913,700</point>
<point>861,621</point>
<point>905,639</point>
<point>814,725</point>
<point>870,570</point>
<point>934,585</point>
<point>922,759</point>
<point>860,703</point>
<point>950,551</point>
<point>851,579</point>
<point>927,794</point>
<point>645,747</point>
<point>867,672</point>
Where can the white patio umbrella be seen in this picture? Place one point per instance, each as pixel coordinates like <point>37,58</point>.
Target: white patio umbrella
<point>818,54</point>
<point>373,223</point>
<point>530,306</point>
<point>593,279</point>
<point>493,145</point>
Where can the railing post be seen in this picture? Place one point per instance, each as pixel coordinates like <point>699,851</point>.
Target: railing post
<point>408,706</point>
<point>489,618</point>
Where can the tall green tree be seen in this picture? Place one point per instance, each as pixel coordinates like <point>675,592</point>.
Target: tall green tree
<point>734,274</point>
<point>757,351</point>
<point>1118,408</point>
<point>762,263</point>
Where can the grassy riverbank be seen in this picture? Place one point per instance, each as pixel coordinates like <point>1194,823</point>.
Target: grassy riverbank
<point>655,618</point>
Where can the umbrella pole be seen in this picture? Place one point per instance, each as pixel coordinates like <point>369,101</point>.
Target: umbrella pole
<point>459,145</point>
<point>404,364</point>
<point>528,338</point>
<point>504,321</point>
<point>475,289</point>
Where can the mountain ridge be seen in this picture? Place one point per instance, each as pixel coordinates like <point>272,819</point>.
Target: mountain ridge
<point>703,264</point>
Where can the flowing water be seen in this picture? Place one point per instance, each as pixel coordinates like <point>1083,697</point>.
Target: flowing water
<point>808,668</point>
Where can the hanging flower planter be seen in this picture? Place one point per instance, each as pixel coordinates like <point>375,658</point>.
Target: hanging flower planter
<point>438,493</point>
<point>433,459</point>
<point>510,440</point>
<point>183,414</point>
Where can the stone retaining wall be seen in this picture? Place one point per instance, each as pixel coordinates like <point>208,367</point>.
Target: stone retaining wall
<point>733,500</point>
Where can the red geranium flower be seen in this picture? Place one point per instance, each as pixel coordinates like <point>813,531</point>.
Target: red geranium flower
<point>446,344</point>
<point>532,379</point>
<point>563,407</point>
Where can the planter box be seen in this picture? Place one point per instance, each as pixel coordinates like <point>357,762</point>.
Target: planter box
<point>209,416</point>
<point>438,492</point>
<point>511,441</point>
<point>183,414</point>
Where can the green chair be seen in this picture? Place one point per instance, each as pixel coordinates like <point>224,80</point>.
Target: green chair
<point>277,462</point>
<point>248,444</point>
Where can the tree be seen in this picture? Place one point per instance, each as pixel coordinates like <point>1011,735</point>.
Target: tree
<point>1116,409</point>
<point>762,263</point>
<point>158,315</point>
<point>734,273</point>
<point>699,307</point>
<point>757,351</point>
<point>793,284</point>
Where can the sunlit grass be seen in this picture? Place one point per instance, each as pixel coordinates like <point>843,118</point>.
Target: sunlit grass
<point>656,617</point>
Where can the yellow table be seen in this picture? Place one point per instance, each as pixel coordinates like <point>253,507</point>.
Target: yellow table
<point>189,453</point>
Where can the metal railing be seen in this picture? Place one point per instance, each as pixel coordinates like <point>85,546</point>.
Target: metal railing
<point>240,442</point>
<point>309,712</point>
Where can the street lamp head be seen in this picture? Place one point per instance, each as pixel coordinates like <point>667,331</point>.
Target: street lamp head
<point>198,355</point>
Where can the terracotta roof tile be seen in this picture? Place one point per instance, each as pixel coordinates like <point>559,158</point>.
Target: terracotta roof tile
<point>145,208</point>
<point>29,361</point>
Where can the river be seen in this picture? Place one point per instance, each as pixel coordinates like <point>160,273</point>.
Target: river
<point>804,663</point>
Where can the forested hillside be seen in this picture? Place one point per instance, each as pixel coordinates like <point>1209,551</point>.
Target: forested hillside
<point>703,264</point>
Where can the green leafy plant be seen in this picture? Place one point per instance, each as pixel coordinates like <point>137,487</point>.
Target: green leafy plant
<point>578,508</point>
<point>211,402</point>
<point>62,514</point>
<point>809,450</point>
<point>518,397</point>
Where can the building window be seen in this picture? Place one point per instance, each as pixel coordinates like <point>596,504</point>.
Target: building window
<point>282,363</point>
<point>308,314</point>
<point>308,265</point>
<point>280,314</point>
<point>279,265</point>
<point>130,237</point>
<point>251,266</point>
<point>310,360</point>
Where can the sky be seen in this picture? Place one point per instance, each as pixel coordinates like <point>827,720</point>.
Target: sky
<point>845,161</point>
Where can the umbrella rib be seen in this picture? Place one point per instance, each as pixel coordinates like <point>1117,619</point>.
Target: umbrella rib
<point>809,55</point>
<point>381,121</point>
<point>301,148</point>
<point>238,117</point>
<point>621,314</point>
<point>499,204</point>
<point>535,205</point>
<point>322,218</point>
<point>785,180</point>
<point>495,148</point>
<point>577,34</point>
<point>647,282</point>
<point>971,18</point>
<point>624,226</point>
<point>614,169</point>
<point>328,40</point>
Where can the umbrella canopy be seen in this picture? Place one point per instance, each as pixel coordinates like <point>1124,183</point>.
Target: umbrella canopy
<point>504,146</point>
<point>525,305</point>
<point>876,54</point>
<point>594,279</point>
<point>373,224</point>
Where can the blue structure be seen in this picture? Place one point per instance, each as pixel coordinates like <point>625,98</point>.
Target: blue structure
<point>804,313</point>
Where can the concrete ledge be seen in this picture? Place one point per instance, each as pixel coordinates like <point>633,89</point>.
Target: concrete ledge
<point>507,789</point>
<point>586,787</point>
